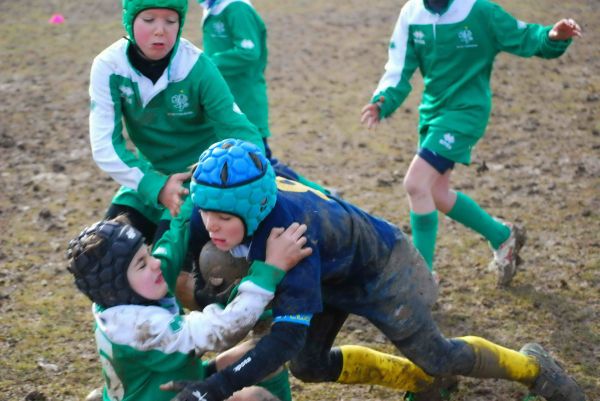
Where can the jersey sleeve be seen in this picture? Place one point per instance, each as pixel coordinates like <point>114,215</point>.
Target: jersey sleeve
<point>109,147</point>
<point>523,39</point>
<point>272,351</point>
<point>153,328</point>
<point>172,247</point>
<point>227,118</point>
<point>246,36</point>
<point>394,86</point>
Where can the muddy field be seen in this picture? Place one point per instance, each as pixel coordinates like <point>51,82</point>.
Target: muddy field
<point>539,164</point>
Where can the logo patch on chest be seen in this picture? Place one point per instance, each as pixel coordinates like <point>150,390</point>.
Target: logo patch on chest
<point>181,104</point>
<point>218,30</point>
<point>466,39</point>
<point>419,37</point>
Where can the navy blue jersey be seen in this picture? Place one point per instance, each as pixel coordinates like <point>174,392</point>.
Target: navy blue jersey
<point>350,247</point>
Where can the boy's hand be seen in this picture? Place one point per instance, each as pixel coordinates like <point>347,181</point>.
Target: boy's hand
<point>369,114</point>
<point>565,29</point>
<point>285,248</point>
<point>173,193</point>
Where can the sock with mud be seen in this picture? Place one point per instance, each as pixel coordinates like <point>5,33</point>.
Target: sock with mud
<point>362,365</point>
<point>495,361</point>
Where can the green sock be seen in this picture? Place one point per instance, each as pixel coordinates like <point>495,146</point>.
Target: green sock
<point>467,212</point>
<point>424,230</point>
<point>279,385</point>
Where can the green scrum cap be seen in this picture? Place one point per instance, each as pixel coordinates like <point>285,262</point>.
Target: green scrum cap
<point>131,8</point>
<point>234,177</point>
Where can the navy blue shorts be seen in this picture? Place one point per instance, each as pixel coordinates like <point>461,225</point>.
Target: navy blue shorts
<point>438,162</point>
<point>397,300</point>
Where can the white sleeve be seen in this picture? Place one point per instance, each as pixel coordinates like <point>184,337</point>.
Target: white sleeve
<point>214,329</point>
<point>395,64</point>
<point>106,130</point>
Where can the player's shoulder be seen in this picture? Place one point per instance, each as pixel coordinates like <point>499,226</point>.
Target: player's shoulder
<point>114,55</point>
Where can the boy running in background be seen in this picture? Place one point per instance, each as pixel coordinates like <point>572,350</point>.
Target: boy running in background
<point>454,44</point>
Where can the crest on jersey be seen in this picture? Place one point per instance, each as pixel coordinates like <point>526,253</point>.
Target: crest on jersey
<point>465,36</point>
<point>466,39</point>
<point>219,29</point>
<point>180,102</point>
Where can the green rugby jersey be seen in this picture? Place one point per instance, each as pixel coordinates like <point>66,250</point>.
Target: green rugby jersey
<point>234,36</point>
<point>142,347</point>
<point>454,51</point>
<point>170,123</point>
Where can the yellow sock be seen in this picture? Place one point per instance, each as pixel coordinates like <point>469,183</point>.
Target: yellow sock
<point>366,366</point>
<point>494,361</point>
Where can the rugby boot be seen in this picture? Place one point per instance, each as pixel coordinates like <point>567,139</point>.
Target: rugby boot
<point>506,257</point>
<point>553,383</point>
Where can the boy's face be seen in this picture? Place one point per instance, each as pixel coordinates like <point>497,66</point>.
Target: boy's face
<point>226,230</point>
<point>155,31</point>
<point>145,277</point>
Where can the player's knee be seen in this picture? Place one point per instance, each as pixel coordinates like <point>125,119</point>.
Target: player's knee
<point>415,188</point>
<point>458,360</point>
<point>437,368</point>
<point>317,367</point>
<point>305,370</point>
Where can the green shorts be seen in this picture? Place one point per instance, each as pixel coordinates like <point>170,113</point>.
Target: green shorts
<point>452,145</point>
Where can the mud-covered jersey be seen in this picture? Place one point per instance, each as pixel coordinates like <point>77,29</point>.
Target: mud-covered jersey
<point>170,123</point>
<point>454,51</point>
<point>234,36</point>
<point>350,247</point>
<point>142,347</point>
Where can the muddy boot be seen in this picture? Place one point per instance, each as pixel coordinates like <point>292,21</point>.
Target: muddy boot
<point>506,257</point>
<point>553,383</point>
<point>441,390</point>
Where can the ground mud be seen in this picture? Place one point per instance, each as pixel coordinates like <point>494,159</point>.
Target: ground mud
<point>538,165</point>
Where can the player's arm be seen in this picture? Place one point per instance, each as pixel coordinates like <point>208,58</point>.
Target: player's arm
<point>108,144</point>
<point>394,86</point>
<point>525,39</point>
<point>246,36</point>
